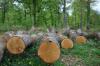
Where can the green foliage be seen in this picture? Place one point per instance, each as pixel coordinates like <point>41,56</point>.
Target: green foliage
<point>46,13</point>
<point>89,52</point>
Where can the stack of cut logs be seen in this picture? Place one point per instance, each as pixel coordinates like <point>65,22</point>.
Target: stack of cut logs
<point>52,41</point>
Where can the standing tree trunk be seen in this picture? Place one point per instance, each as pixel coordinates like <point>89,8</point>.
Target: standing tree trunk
<point>88,15</point>
<point>81,22</point>
<point>31,17</point>
<point>75,20</point>
<point>58,16</point>
<point>64,12</point>
<point>3,11</point>
<point>52,20</point>
<point>25,14</point>
<point>34,12</point>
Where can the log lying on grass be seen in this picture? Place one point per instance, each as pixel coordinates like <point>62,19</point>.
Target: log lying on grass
<point>66,31</point>
<point>15,45</point>
<point>63,41</point>
<point>81,39</point>
<point>81,33</point>
<point>8,35</point>
<point>3,41</point>
<point>18,43</point>
<point>53,37</point>
<point>92,35</point>
<point>21,32</point>
<point>67,43</point>
<point>73,34</point>
<point>96,35</point>
<point>77,36</point>
<point>49,51</point>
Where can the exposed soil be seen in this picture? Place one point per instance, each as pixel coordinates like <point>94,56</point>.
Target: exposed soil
<point>70,60</point>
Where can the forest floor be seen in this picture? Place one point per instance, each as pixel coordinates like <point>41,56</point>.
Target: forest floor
<point>80,55</point>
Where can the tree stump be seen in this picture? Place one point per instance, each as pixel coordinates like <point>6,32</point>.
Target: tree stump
<point>2,46</point>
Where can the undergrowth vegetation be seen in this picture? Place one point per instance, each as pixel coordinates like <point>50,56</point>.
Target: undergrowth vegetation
<point>89,55</point>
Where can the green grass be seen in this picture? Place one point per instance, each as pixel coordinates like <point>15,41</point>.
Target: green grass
<point>89,53</point>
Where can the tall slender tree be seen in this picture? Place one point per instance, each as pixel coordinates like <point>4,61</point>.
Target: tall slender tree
<point>64,12</point>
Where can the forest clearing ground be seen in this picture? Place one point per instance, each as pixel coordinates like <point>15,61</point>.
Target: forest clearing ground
<point>80,55</point>
<point>70,60</point>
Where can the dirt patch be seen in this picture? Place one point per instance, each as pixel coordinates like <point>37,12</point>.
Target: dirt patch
<point>70,60</point>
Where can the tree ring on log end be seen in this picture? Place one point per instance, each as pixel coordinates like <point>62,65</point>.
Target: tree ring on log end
<point>49,53</point>
<point>67,43</point>
<point>81,39</point>
<point>15,45</point>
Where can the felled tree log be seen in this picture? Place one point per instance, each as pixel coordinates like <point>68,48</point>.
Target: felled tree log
<point>97,35</point>
<point>79,32</point>
<point>67,43</point>
<point>21,32</point>
<point>89,35</point>
<point>81,39</point>
<point>8,35</point>
<point>51,37</point>
<point>18,43</point>
<point>93,35</point>
<point>57,38</point>
<point>34,37</point>
<point>66,31</point>
<point>73,34</point>
<point>51,29</point>
<point>15,45</point>
<point>37,37</point>
<point>3,41</point>
<point>61,40</point>
<point>49,51</point>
